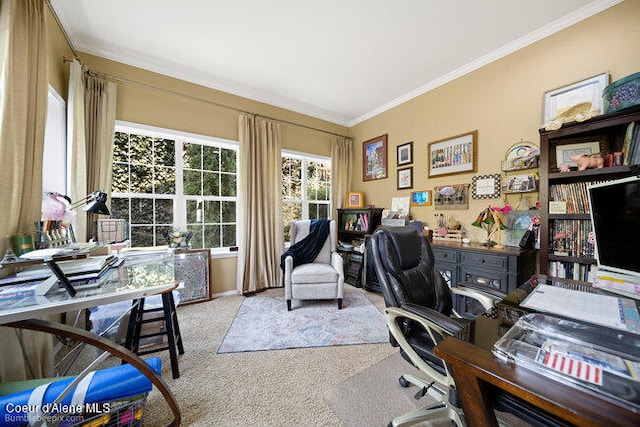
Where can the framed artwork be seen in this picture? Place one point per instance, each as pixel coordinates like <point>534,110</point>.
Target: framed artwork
<point>405,178</point>
<point>571,148</point>
<point>453,155</point>
<point>192,271</point>
<point>374,158</point>
<point>405,153</point>
<point>517,223</point>
<point>485,186</point>
<point>421,198</point>
<point>451,197</point>
<point>355,199</point>
<point>588,90</point>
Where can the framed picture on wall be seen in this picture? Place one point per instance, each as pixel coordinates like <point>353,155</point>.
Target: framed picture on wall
<point>405,154</point>
<point>405,178</point>
<point>355,199</point>
<point>453,155</point>
<point>561,99</point>
<point>374,158</point>
<point>421,198</point>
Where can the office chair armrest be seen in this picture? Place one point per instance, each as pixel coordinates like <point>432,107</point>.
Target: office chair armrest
<point>449,325</point>
<point>436,324</point>
<point>487,296</point>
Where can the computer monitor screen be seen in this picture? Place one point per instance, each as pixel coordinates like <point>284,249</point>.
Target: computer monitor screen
<point>615,212</point>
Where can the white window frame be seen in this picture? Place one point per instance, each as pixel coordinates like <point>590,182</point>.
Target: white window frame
<point>180,199</point>
<point>306,157</point>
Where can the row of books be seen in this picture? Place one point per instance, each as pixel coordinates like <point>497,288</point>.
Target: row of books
<point>572,237</point>
<point>572,270</point>
<point>631,145</point>
<point>574,194</point>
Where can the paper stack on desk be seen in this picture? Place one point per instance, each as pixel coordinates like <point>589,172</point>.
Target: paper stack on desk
<point>605,310</point>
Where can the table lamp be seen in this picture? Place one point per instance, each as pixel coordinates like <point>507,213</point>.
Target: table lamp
<point>96,203</point>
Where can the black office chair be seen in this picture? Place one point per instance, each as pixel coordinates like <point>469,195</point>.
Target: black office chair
<point>419,306</point>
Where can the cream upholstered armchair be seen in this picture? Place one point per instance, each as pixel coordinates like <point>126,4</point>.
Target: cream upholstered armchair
<point>323,278</point>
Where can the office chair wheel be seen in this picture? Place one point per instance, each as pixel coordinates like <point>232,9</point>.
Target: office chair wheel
<point>403,382</point>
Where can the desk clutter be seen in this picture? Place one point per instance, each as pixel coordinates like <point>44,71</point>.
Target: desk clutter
<point>585,356</point>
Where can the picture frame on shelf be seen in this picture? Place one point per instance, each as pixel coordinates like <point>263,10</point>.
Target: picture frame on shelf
<point>355,200</point>
<point>451,197</point>
<point>421,198</point>
<point>405,178</point>
<point>374,158</point>
<point>587,90</point>
<point>405,153</point>
<point>518,222</point>
<point>569,147</point>
<point>485,186</point>
<point>453,155</point>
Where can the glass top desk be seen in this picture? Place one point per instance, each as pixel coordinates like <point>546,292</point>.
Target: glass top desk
<point>480,376</point>
<point>137,277</point>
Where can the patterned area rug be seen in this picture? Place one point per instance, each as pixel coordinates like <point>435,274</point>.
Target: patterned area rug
<point>263,323</point>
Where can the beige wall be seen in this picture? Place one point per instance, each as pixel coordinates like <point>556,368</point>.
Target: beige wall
<point>502,101</point>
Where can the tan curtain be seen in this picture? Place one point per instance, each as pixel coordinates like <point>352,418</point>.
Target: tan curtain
<point>100,121</point>
<point>76,146</point>
<point>23,109</point>
<point>341,158</point>
<point>260,223</point>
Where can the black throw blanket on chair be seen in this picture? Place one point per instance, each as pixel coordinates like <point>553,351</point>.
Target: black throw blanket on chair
<point>307,249</point>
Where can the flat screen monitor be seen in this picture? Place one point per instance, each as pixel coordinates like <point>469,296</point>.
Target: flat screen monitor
<point>615,215</point>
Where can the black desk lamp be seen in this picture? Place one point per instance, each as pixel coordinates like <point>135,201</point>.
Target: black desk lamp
<point>96,203</point>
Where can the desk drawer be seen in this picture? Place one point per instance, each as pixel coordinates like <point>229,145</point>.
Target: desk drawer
<point>484,260</point>
<point>444,255</point>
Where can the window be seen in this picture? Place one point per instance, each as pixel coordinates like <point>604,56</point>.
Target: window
<point>54,170</point>
<point>306,188</point>
<point>166,179</point>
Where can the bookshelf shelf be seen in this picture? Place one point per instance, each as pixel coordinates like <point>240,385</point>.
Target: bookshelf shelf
<point>569,232</point>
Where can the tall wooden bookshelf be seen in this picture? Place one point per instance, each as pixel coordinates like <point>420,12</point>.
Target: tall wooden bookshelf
<point>575,252</point>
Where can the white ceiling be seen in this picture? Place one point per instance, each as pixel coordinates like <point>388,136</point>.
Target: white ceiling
<point>339,60</point>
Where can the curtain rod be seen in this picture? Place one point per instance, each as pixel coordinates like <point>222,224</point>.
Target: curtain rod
<point>217,104</point>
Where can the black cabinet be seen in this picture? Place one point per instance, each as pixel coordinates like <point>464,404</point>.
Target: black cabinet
<point>501,268</point>
<point>355,226</point>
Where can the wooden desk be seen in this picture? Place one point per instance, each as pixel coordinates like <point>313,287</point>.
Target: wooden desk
<point>477,373</point>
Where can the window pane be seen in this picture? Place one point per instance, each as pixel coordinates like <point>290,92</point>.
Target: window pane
<point>192,183</point>
<point>192,156</point>
<point>210,158</point>
<point>162,234</point>
<point>228,211</point>
<point>196,240</point>
<point>211,184</point>
<point>290,212</point>
<point>141,149</point>
<point>312,193</point>
<point>164,211</point>
<point>228,158</point>
<point>121,147</point>
<point>141,179</point>
<point>296,168</point>
<point>119,208</point>
<point>323,191</point>
<point>192,212</point>
<point>211,211</point>
<point>323,211</point>
<point>165,152</point>
<point>296,190</point>
<point>313,211</point>
<point>141,211</point>
<point>142,236</point>
<point>228,235</point>
<point>120,183</point>
<point>165,180</point>
<point>212,236</point>
<point>228,187</point>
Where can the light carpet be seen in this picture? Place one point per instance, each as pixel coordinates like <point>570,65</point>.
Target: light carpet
<point>263,323</point>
